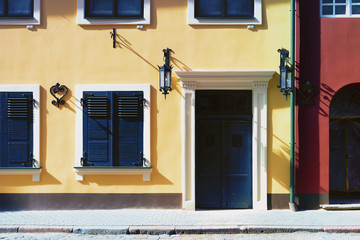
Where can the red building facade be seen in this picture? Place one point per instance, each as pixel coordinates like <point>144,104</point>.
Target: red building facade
<point>328,162</point>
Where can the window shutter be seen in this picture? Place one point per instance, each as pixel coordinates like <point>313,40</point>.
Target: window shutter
<point>16,129</point>
<point>97,129</point>
<point>129,129</point>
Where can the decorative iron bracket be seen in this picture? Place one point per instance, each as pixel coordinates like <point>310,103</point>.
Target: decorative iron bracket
<point>307,91</point>
<point>57,88</point>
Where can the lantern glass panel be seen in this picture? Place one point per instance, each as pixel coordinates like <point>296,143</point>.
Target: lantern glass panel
<point>288,78</point>
<point>162,77</point>
<point>168,79</point>
<point>283,78</point>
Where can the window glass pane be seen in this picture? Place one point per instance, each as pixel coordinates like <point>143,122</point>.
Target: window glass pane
<point>239,8</point>
<point>2,12</point>
<point>20,8</point>
<point>129,8</point>
<point>209,8</point>
<point>327,1</point>
<point>101,7</point>
<point>340,10</point>
<point>327,10</point>
<point>355,1</point>
<point>340,1</point>
<point>355,9</point>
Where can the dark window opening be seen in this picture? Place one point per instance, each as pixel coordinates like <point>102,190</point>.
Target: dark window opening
<point>16,8</point>
<point>224,9</point>
<point>114,8</point>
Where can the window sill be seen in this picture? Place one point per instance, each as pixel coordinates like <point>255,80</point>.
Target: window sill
<point>144,171</point>
<point>35,172</point>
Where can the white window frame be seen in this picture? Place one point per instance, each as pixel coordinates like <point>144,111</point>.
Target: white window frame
<point>35,20</point>
<point>257,20</point>
<point>36,169</point>
<point>81,20</point>
<point>81,171</point>
<point>348,6</point>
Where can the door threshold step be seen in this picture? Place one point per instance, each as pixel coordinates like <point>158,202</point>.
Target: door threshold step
<point>340,206</point>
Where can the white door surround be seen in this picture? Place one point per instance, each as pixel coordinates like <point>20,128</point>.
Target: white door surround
<point>257,81</point>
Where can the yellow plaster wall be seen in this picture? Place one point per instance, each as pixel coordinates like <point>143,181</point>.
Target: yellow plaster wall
<point>61,51</point>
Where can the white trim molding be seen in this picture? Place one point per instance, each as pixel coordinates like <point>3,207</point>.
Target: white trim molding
<point>257,81</point>
<point>81,171</point>
<point>35,20</point>
<point>256,20</point>
<point>81,20</point>
<point>35,171</point>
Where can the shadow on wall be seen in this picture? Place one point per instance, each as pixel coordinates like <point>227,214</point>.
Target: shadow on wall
<point>278,148</point>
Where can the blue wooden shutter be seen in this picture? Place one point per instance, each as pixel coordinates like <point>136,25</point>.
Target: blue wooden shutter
<point>97,129</point>
<point>128,129</point>
<point>16,129</point>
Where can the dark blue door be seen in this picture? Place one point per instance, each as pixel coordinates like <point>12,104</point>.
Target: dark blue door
<point>223,152</point>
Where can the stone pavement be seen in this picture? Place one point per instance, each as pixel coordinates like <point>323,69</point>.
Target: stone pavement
<point>140,221</point>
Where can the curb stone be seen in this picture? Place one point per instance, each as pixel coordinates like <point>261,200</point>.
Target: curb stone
<point>44,229</point>
<point>207,230</point>
<point>8,229</point>
<point>102,230</point>
<point>152,230</point>
<point>178,230</point>
<point>342,229</point>
<point>280,229</point>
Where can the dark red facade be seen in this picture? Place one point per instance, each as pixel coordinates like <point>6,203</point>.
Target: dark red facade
<point>328,56</point>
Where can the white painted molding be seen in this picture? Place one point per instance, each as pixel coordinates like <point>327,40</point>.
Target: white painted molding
<point>256,20</point>
<point>257,81</point>
<point>35,20</point>
<point>81,20</point>
<point>35,172</point>
<point>80,172</point>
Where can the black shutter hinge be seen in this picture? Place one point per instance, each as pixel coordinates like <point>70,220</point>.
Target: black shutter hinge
<point>31,162</point>
<point>82,102</point>
<point>141,160</point>
<point>84,161</point>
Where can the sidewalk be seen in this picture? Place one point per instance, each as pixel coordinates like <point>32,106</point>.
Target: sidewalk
<point>139,221</point>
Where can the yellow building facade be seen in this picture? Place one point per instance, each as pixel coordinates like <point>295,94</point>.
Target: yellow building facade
<point>60,45</point>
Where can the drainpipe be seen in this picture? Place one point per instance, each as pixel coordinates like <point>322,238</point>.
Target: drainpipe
<point>292,204</point>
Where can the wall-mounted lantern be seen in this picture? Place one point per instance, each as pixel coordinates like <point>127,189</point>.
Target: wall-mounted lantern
<point>165,73</point>
<point>61,90</point>
<point>286,71</point>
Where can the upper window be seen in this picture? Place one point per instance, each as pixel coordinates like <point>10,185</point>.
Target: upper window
<point>114,8</point>
<point>17,8</point>
<point>340,8</point>
<point>113,12</point>
<point>19,12</point>
<point>224,8</point>
<point>224,12</point>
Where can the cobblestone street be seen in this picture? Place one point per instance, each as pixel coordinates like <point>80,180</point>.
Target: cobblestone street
<point>275,236</point>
